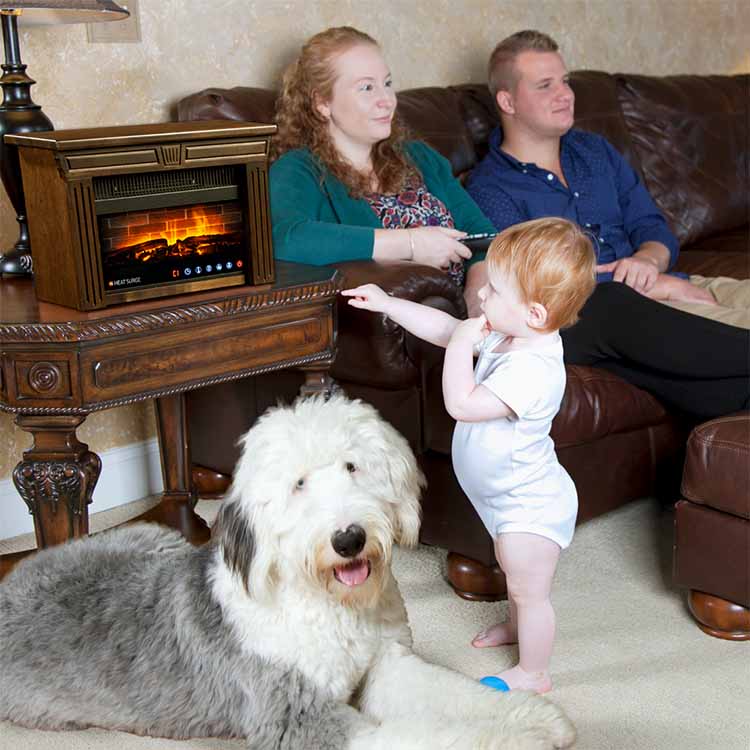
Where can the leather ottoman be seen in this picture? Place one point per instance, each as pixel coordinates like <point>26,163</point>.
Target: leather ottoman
<point>712,527</point>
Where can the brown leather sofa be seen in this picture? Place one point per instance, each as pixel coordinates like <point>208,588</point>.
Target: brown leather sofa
<point>687,136</point>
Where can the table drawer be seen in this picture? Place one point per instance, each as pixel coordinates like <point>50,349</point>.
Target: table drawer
<point>148,364</point>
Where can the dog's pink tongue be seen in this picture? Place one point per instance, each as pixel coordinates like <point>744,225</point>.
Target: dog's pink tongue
<point>353,574</point>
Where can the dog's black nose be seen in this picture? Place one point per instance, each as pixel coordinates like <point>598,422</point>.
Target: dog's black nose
<point>349,543</point>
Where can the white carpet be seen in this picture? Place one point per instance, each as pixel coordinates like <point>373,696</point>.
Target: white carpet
<point>630,667</point>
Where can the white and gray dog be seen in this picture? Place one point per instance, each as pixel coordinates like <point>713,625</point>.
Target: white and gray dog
<point>288,629</point>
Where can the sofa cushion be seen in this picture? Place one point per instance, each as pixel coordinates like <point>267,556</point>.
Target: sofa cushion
<point>240,103</point>
<point>721,254</point>
<point>716,465</point>
<point>433,114</point>
<point>597,110</point>
<point>690,134</point>
<point>598,403</point>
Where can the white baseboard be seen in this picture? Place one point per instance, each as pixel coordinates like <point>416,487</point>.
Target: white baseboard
<point>129,473</point>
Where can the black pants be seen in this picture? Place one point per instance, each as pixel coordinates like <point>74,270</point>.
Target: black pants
<point>695,364</point>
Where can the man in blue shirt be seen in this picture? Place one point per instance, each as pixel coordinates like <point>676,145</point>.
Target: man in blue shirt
<point>539,166</point>
<point>595,188</point>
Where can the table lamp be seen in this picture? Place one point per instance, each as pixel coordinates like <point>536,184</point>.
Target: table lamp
<point>18,113</point>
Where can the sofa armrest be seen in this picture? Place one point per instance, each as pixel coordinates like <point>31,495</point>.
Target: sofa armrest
<point>372,350</point>
<point>597,404</point>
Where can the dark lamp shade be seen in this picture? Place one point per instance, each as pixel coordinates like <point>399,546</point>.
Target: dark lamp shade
<point>38,12</point>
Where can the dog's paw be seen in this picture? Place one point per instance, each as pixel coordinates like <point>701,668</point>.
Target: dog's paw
<point>544,733</point>
<point>562,731</point>
<point>541,724</point>
<point>558,728</point>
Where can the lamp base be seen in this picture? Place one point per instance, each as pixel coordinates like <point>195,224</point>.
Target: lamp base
<point>18,114</point>
<point>16,264</point>
<point>17,261</point>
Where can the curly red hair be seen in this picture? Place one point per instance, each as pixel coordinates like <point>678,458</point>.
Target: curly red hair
<point>312,75</point>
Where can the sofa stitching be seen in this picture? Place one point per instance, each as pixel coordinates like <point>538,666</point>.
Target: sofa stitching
<point>721,420</point>
<point>730,444</point>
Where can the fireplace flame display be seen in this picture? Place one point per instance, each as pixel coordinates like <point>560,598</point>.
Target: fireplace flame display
<point>161,249</point>
<point>141,247</point>
<point>137,237</point>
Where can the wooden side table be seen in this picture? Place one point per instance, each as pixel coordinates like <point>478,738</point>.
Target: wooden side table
<point>57,365</point>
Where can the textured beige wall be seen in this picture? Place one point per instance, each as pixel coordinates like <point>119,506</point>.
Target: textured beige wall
<point>191,44</point>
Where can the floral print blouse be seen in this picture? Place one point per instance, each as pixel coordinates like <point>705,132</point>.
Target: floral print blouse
<point>415,206</point>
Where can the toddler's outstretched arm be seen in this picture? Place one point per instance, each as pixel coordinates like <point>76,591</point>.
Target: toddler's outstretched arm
<point>429,324</point>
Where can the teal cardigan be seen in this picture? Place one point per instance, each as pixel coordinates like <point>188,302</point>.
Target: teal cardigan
<point>317,222</point>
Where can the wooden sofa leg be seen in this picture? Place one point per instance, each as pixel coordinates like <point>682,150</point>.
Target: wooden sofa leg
<point>209,483</point>
<point>473,581</point>
<point>719,617</point>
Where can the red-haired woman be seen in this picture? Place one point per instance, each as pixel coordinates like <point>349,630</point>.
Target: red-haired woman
<point>346,184</point>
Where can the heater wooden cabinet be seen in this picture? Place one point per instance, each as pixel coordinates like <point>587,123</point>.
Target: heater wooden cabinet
<point>129,213</point>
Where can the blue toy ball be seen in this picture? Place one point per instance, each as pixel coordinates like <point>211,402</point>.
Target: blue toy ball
<point>495,683</point>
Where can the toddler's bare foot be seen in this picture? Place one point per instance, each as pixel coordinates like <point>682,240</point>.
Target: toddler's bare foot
<point>519,679</point>
<point>501,634</point>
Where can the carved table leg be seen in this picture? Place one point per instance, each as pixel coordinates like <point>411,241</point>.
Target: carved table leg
<point>317,380</point>
<point>56,478</point>
<point>179,498</point>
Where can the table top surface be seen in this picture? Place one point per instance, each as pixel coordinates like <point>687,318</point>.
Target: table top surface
<point>19,306</point>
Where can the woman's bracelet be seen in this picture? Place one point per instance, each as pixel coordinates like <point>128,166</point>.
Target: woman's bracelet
<point>411,244</point>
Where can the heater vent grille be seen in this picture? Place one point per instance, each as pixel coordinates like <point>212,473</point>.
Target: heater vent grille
<point>153,183</point>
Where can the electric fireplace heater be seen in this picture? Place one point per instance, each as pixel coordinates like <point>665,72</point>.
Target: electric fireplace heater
<point>123,214</point>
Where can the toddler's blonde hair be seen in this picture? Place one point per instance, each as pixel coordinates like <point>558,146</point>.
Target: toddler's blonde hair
<point>553,263</point>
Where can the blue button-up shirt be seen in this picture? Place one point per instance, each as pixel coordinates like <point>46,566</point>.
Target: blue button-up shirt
<point>604,195</point>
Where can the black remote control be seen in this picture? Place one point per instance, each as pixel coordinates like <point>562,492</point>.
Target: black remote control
<point>478,242</point>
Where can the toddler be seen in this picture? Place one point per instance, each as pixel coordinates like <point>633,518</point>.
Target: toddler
<point>540,273</point>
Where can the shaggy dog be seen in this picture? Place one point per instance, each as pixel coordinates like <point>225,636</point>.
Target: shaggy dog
<point>288,629</point>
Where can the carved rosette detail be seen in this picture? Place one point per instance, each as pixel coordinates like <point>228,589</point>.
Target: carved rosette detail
<point>44,377</point>
<point>52,481</point>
